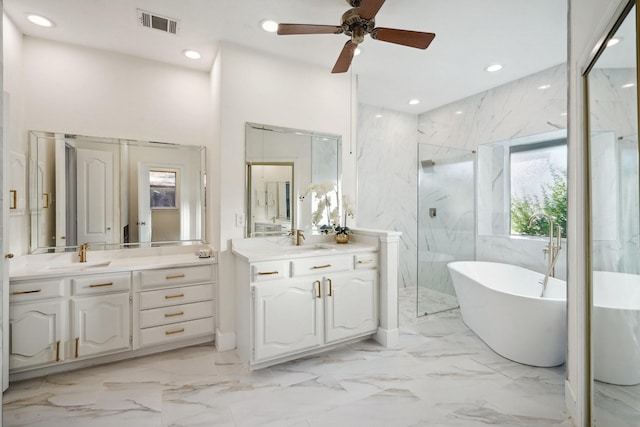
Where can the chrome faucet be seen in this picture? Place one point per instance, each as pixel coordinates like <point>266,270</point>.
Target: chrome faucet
<point>82,253</point>
<point>552,249</point>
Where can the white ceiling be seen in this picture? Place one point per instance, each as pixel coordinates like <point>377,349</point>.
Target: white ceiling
<point>525,36</point>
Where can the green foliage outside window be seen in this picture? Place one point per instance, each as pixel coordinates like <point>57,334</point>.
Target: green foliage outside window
<point>553,203</point>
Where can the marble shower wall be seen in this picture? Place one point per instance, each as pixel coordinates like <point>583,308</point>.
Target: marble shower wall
<point>387,158</point>
<point>615,211</point>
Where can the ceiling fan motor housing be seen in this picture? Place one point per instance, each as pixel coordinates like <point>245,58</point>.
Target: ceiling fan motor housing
<point>356,27</point>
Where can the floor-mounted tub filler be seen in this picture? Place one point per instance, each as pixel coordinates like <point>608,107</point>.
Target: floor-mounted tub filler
<point>501,304</point>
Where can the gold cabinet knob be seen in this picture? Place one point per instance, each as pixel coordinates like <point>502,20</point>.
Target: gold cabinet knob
<point>9,256</point>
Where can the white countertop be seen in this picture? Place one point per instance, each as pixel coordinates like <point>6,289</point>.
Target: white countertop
<point>277,248</point>
<point>67,264</point>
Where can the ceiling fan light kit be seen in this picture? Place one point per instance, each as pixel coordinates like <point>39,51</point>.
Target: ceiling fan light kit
<point>356,23</point>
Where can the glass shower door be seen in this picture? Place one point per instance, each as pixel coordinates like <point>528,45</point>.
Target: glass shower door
<point>446,222</point>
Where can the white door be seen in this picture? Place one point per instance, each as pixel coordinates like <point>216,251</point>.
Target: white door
<point>37,334</point>
<point>144,204</point>
<point>288,318</point>
<point>95,196</point>
<point>100,324</point>
<point>351,305</point>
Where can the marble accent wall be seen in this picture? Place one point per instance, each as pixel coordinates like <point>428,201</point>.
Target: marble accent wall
<point>387,158</point>
<point>387,180</point>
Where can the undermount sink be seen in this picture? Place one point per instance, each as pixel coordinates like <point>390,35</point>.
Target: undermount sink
<point>306,248</point>
<point>79,265</point>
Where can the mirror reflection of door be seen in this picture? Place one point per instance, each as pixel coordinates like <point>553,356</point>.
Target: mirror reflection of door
<point>95,196</point>
<point>269,201</point>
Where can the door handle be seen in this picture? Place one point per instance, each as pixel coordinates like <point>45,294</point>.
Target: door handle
<point>330,287</point>
<point>319,291</point>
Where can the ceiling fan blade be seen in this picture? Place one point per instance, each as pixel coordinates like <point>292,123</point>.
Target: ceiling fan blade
<point>409,38</point>
<point>346,56</point>
<point>369,8</point>
<point>288,29</point>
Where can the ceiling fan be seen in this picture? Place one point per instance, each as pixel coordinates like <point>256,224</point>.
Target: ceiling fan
<point>356,23</point>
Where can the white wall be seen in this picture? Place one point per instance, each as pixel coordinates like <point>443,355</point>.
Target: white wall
<point>258,88</point>
<point>15,141</point>
<point>588,22</point>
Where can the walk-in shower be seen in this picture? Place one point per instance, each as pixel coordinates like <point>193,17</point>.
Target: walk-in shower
<point>446,222</point>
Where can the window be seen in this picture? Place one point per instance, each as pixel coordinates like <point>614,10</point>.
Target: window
<point>163,184</point>
<point>538,178</point>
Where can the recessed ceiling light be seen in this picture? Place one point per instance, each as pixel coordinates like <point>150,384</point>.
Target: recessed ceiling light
<point>458,113</point>
<point>191,54</point>
<point>40,20</point>
<point>493,68</point>
<point>628,85</point>
<point>357,52</point>
<point>614,41</point>
<point>378,116</point>
<point>269,25</point>
<point>414,102</point>
<point>563,114</point>
<point>543,87</point>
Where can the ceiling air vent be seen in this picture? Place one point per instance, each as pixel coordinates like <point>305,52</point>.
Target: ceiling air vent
<point>162,23</point>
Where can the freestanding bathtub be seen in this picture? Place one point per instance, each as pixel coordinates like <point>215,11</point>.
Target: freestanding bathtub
<point>615,328</point>
<point>501,304</point>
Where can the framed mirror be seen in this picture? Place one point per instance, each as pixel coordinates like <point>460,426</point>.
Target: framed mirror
<point>281,165</point>
<point>113,192</point>
<point>614,224</point>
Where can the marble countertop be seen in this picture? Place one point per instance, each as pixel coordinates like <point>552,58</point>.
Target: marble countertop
<point>66,263</point>
<point>255,250</point>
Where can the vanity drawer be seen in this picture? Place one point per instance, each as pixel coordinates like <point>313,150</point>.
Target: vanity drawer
<point>269,270</point>
<point>175,296</point>
<point>176,276</point>
<point>37,289</point>
<point>320,265</point>
<point>176,332</point>
<point>176,313</point>
<point>103,283</point>
<point>365,261</point>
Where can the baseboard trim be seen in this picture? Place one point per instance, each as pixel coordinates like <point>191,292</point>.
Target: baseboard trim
<point>225,341</point>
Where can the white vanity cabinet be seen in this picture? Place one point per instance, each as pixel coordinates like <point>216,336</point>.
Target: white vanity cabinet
<point>174,304</point>
<point>64,321</point>
<point>304,305</point>
<point>37,323</point>
<point>101,314</point>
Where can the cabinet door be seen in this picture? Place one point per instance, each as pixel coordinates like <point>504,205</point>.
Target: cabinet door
<point>101,324</point>
<point>351,304</point>
<point>287,317</point>
<point>37,334</point>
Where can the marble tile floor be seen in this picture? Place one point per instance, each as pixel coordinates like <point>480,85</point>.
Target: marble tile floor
<point>441,374</point>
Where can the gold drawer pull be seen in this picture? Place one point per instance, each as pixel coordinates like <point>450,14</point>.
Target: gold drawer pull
<point>175,276</point>
<point>57,351</point>
<point>14,199</point>
<point>365,261</point>
<point>267,273</point>
<point>318,288</point>
<point>26,292</point>
<point>99,285</point>
<point>177,331</point>
<point>77,345</point>
<point>174,296</point>
<point>317,267</point>
<point>181,313</point>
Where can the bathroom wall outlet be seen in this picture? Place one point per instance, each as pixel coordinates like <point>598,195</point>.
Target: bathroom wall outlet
<point>432,212</point>
<point>239,220</point>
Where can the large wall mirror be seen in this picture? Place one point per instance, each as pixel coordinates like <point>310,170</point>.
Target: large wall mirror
<point>614,222</point>
<point>113,192</point>
<point>281,165</point>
